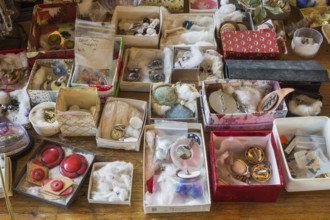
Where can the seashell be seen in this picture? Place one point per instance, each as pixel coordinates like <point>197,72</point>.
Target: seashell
<point>165,95</point>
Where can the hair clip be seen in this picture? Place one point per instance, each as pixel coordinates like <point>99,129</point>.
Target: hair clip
<point>271,101</point>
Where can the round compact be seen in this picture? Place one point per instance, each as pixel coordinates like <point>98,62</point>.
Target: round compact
<point>222,103</point>
<point>186,155</point>
<point>73,166</point>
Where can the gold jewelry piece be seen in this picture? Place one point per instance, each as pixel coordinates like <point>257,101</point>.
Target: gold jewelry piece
<point>118,132</point>
<point>255,154</point>
<point>261,172</point>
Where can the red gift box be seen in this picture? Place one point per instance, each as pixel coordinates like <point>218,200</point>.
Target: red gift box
<point>259,44</point>
<point>262,192</point>
<point>47,18</point>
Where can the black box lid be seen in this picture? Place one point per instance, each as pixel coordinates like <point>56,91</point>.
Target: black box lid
<point>279,70</point>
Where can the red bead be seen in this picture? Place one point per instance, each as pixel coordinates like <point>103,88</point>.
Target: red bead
<point>37,174</point>
<point>51,155</point>
<point>56,185</point>
<point>73,165</point>
<point>68,191</point>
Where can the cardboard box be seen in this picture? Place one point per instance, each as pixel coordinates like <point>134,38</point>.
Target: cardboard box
<point>202,72</point>
<point>47,18</point>
<point>130,61</point>
<point>203,6</point>
<point>250,44</point>
<point>116,144</point>
<point>168,208</point>
<point>97,166</point>
<point>317,125</point>
<point>43,95</point>
<point>254,192</point>
<point>298,74</point>
<point>21,185</point>
<point>152,116</point>
<point>76,122</point>
<point>238,121</point>
<point>173,31</point>
<point>25,73</point>
<point>137,14</point>
<point>112,88</point>
<point>6,169</point>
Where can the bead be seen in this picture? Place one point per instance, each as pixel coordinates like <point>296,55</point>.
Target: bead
<point>156,21</point>
<point>140,31</point>
<point>187,24</point>
<point>151,31</point>
<point>157,28</point>
<point>145,25</point>
<point>156,64</point>
<point>146,20</point>
<point>133,75</point>
<point>37,174</point>
<point>56,185</point>
<point>136,122</point>
<point>156,76</point>
<point>51,155</point>
<point>73,165</point>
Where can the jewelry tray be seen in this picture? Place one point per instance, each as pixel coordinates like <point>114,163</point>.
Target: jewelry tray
<point>20,182</point>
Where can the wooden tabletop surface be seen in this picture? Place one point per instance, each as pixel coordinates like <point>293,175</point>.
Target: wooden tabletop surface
<point>299,205</point>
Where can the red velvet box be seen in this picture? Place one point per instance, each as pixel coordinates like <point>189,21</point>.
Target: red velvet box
<point>47,18</point>
<point>258,192</point>
<point>259,44</point>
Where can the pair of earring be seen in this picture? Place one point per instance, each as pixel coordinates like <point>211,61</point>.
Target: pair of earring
<point>260,170</point>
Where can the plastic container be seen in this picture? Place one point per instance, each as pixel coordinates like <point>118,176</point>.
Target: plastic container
<point>306,42</point>
<point>42,127</point>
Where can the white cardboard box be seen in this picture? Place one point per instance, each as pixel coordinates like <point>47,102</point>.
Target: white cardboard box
<point>192,127</point>
<point>289,126</point>
<point>137,13</point>
<point>114,144</point>
<point>96,166</point>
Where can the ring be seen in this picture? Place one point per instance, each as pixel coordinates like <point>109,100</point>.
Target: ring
<point>255,154</point>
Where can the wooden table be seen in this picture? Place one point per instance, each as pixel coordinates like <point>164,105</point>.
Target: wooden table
<point>299,205</point>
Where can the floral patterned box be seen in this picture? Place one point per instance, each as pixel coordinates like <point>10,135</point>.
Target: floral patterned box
<point>52,31</point>
<point>238,120</point>
<point>174,6</point>
<point>250,45</point>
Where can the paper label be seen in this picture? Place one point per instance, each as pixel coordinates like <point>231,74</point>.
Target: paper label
<point>94,53</point>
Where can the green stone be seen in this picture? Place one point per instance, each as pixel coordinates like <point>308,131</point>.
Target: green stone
<point>165,95</point>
